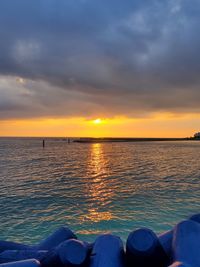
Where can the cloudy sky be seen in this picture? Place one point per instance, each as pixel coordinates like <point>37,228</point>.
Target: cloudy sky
<point>128,62</point>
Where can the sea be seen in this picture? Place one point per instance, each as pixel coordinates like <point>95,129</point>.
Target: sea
<point>95,188</point>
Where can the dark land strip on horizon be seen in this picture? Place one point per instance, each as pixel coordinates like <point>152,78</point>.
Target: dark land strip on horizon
<point>99,140</point>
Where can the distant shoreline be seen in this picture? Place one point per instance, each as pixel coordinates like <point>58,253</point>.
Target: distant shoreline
<point>105,139</point>
<point>109,140</point>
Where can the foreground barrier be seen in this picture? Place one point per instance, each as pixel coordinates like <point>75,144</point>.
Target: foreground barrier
<point>69,253</point>
<point>52,241</point>
<point>180,264</point>
<point>178,247</point>
<point>143,248</point>
<point>195,217</point>
<point>19,255</point>
<point>165,240</point>
<point>25,263</point>
<point>186,240</point>
<point>108,251</point>
<point>60,235</point>
<point>7,245</point>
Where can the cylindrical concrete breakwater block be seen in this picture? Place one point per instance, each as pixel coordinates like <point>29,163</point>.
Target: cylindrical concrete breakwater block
<point>165,240</point>
<point>70,253</point>
<point>8,245</point>
<point>186,243</point>
<point>53,240</point>
<point>195,217</point>
<point>108,251</point>
<point>144,249</point>
<point>18,255</point>
<point>25,263</point>
<point>180,264</point>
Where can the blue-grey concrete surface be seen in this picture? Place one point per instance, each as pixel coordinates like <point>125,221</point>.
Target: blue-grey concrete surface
<point>178,247</point>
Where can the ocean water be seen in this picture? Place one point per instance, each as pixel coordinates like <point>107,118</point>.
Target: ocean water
<point>95,188</point>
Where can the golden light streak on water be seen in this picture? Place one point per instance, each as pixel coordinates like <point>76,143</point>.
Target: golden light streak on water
<point>99,188</point>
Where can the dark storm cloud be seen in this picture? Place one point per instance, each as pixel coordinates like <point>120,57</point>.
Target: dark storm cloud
<point>88,57</point>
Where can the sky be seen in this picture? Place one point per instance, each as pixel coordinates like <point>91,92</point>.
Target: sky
<point>132,64</point>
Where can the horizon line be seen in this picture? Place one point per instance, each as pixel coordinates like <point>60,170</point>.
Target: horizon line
<point>102,137</point>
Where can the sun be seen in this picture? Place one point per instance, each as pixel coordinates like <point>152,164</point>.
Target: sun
<point>97,121</point>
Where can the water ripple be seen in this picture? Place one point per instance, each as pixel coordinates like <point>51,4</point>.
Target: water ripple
<point>95,188</point>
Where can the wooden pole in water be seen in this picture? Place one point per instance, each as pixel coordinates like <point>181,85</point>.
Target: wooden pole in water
<point>43,143</point>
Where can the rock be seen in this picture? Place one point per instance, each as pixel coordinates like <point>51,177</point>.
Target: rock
<point>108,251</point>
<point>143,248</point>
<point>185,245</point>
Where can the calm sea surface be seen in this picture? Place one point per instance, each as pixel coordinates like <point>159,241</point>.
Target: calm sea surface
<point>95,188</point>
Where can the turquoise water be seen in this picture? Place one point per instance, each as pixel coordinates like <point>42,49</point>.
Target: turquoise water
<point>95,188</point>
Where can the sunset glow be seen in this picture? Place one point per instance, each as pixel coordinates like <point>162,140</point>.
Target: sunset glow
<point>159,125</point>
<point>124,76</point>
<point>97,121</point>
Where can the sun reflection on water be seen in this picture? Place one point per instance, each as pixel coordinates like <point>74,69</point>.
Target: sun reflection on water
<point>99,188</point>
<point>97,161</point>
